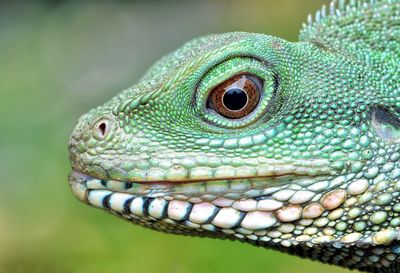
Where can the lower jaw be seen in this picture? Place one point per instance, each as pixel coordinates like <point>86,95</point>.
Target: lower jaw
<point>274,220</point>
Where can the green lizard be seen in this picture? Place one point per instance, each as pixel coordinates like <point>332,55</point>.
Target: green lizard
<point>293,146</point>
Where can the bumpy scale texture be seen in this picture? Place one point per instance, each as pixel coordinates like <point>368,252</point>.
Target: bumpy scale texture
<point>314,170</point>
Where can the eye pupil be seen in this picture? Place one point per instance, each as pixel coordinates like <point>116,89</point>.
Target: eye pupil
<point>235,99</point>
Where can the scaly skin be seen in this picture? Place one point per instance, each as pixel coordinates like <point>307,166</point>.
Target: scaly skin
<point>313,170</point>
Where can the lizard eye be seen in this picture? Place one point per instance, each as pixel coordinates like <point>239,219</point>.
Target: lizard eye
<point>236,97</point>
<point>237,92</point>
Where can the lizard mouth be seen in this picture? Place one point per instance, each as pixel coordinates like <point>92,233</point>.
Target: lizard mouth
<point>212,204</point>
<point>210,186</point>
<point>230,184</point>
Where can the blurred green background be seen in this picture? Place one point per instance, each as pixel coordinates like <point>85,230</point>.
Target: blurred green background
<point>59,59</point>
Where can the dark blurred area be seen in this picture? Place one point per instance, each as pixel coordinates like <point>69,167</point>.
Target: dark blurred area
<point>58,59</point>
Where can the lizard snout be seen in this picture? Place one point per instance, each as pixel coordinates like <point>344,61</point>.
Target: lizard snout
<point>92,136</point>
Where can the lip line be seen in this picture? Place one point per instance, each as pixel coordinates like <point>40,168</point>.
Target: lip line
<point>193,181</point>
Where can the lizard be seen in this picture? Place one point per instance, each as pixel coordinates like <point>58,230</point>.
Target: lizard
<point>293,146</point>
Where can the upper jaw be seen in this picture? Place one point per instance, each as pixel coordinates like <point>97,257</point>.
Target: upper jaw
<point>188,168</point>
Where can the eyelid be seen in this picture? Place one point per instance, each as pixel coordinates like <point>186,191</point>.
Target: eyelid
<point>226,58</point>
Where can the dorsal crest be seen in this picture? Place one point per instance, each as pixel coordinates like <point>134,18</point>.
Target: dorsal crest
<point>368,30</point>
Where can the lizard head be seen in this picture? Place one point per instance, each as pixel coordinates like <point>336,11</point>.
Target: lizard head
<point>222,107</point>
<point>239,135</point>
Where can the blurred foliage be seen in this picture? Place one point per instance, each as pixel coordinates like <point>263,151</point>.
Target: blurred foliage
<point>58,59</point>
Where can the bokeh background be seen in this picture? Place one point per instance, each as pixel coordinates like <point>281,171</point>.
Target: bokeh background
<point>58,59</point>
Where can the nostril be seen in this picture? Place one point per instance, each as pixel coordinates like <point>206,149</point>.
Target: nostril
<point>102,128</point>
